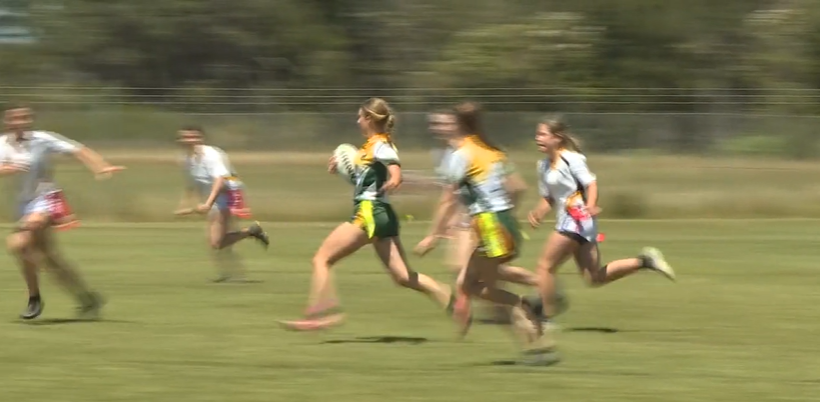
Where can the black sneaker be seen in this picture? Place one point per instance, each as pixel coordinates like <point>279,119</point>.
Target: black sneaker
<point>33,309</point>
<point>90,304</point>
<point>259,234</point>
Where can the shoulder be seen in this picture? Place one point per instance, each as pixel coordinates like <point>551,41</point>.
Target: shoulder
<point>462,153</point>
<point>212,152</point>
<point>384,145</point>
<point>570,157</point>
<point>385,151</point>
<point>38,135</point>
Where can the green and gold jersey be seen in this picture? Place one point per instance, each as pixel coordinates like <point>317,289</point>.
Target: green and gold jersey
<point>480,173</point>
<point>371,168</point>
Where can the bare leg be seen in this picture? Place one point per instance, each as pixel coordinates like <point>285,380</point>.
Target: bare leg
<point>66,274</point>
<point>346,239</point>
<point>391,252</point>
<point>63,272</point>
<point>480,279</point>
<point>556,250</point>
<point>521,276</point>
<point>218,224</point>
<point>21,245</point>
<point>588,258</point>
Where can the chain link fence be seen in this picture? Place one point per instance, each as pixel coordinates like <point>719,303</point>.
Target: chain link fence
<point>607,119</point>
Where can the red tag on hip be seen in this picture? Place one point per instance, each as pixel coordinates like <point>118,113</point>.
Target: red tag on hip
<point>60,213</point>
<point>237,204</point>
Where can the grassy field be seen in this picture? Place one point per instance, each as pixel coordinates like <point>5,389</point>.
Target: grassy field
<point>740,325</point>
<point>295,187</point>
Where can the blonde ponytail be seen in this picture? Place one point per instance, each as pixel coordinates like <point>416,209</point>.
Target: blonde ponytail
<point>390,122</point>
<point>381,114</point>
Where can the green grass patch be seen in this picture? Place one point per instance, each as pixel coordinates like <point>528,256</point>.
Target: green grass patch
<point>738,326</point>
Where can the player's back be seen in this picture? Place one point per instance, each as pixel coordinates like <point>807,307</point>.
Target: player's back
<point>483,189</point>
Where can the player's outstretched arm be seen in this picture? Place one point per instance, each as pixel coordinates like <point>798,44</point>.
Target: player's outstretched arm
<point>95,162</point>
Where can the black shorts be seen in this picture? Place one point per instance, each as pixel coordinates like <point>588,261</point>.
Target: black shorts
<point>574,236</point>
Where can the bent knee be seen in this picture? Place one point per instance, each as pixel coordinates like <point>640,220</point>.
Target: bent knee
<point>595,277</point>
<point>17,242</point>
<point>321,259</point>
<point>406,279</point>
<point>545,266</point>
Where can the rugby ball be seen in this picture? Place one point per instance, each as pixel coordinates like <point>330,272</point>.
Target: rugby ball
<point>345,156</point>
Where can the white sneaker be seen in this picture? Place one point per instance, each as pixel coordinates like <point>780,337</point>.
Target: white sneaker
<point>657,263</point>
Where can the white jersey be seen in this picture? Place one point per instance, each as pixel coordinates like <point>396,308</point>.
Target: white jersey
<point>33,151</point>
<point>564,183</point>
<point>205,166</point>
<point>441,159</point>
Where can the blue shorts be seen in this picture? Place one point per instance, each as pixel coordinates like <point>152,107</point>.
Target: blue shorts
<point>221,203</point>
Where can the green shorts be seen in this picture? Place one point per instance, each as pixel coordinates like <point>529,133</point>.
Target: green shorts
<point>498,233</point>
<point>376,218</point>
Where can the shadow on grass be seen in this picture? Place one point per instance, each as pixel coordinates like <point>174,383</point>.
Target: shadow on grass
<point>519,363</point>
<point>61,321</point>
<point>236,281</point>
<point>600,330</point>
<point>380,339</point>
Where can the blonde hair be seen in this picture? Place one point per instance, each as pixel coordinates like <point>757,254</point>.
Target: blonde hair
<point>558,127</point>
<point>380,113</point>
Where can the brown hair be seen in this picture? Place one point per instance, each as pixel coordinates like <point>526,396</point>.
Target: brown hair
<point>468,118</point>
<point>193,127</point>
<point>380,113</point>
<point>445,112</point>
<point>557,126</point>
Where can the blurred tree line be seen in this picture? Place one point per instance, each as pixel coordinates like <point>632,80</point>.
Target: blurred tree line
<point>695,45</point>
<point>693,56</point>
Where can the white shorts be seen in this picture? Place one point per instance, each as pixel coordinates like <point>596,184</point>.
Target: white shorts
<point>586,230</point>
<point>38,205</point>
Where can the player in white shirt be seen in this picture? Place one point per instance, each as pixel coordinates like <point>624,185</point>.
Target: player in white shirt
<point>567,186</point>
<point>214,187</point>
<point>25,156</point>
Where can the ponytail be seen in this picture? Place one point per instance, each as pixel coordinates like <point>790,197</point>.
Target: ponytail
<point>572,143</point>
<point>468,118</point>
